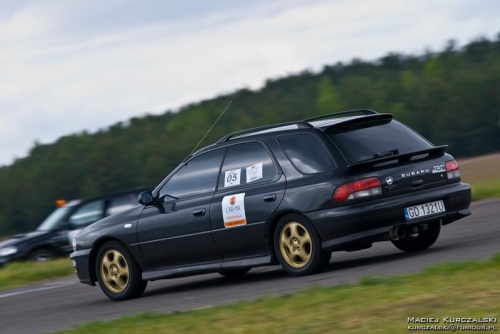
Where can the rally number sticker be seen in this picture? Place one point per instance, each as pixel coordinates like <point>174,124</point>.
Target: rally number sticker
<point>233,210</point>
<point>232,178</point>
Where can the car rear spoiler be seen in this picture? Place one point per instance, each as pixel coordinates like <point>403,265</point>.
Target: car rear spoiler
<point>433,152</point>
<point>361,121</point>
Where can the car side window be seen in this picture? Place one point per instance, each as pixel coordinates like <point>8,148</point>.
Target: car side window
<point>87,214</point>
<point>246,163</point>
<point>307,153</point>
<point>198,176</point>
<point>121,203</point>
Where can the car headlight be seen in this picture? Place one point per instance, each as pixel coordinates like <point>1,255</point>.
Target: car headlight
<point>74,244</point>
<point>8,251</point>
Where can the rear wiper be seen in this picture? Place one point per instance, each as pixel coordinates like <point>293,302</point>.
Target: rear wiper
<point>379,155</point>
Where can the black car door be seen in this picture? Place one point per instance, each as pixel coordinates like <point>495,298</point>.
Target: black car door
<point>250,189</point>
<point>175,231</point>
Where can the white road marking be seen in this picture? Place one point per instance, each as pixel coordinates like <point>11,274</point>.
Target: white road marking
<point>65,282</point>
<point>201,308</point>
<point>31,290</point>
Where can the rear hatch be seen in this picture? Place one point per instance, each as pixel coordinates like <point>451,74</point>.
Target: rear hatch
<point>402,159</point>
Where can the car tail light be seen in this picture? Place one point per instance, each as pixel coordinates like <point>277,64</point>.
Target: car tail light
<point>452,170</point>
<point>358,189</point>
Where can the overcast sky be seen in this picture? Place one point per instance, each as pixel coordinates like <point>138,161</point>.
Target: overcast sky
<point>68,66</point>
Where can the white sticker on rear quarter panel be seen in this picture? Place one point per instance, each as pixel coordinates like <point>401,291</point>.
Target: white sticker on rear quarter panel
<point>254,172</point>
<point>233,210</point>
<point>232,178</point>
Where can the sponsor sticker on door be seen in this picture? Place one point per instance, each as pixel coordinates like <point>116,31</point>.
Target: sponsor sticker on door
<point>254,172</point>
<point>233,210</point>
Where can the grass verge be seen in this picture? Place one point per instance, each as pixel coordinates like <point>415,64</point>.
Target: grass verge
<point>20,273</point>
<point>483,174</point>
<point>484,190</point>
<point>374,305</point>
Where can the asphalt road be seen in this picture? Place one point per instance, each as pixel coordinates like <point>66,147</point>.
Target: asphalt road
<point>61,304</point>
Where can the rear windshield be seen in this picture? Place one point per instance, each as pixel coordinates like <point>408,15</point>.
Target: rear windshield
<point>362,143</point>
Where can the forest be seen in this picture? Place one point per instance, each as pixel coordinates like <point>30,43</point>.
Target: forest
<point>451,97</point>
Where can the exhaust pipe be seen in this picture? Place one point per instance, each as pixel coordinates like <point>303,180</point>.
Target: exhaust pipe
<point>397,232</point>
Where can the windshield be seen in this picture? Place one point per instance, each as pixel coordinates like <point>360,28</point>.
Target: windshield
<point>381,139</point>
<point>53,220</point>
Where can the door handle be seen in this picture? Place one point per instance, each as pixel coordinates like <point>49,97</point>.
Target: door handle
<point>270,198</point>
<point>199,212</point>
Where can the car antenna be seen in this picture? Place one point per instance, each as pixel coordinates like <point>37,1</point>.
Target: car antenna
<point>222,113</point>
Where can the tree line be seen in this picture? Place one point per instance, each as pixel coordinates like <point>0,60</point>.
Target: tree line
<point>451,97</point>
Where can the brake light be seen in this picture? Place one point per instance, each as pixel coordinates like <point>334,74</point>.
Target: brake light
<point>358,189</point>
<point>452,170</point>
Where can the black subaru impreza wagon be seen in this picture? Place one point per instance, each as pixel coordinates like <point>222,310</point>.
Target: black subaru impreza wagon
<point>289,193</point>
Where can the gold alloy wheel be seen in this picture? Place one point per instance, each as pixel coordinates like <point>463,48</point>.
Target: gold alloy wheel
<point>115,272</point>
<point>295,245</point>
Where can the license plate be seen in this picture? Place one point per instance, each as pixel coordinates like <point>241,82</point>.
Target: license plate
<point>422,210</point>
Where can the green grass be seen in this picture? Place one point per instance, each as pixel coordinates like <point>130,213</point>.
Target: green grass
<point>484,190</point>
<point>374,305</point>
<point>20,273</point>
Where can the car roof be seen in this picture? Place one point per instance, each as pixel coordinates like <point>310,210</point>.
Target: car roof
<point>330,122</point>
<point>322,122</point>
<point>316,124</point>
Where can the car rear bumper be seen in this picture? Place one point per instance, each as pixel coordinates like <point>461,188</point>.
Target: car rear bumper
<point>343,225</point>
<point>81,260</point>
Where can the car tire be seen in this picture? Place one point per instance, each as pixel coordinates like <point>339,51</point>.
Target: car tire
<point>297,246</point>
<point>41,255</point>
<point>234,272</point>
<point>425,239</point>
<point>118,274</point>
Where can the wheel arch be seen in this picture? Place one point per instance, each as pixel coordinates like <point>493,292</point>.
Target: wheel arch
<point>93,254</point>
<point>49,247</point>
<point>271,226</point>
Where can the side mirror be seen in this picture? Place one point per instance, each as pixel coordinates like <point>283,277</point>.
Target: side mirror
<point>146,198</point>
